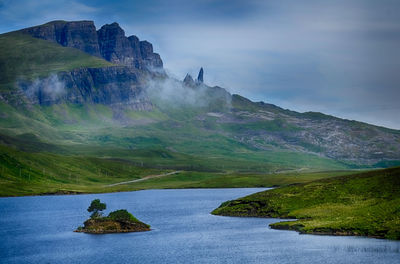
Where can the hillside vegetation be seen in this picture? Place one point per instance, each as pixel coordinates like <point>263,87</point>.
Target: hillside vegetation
<point>364,204</point>
<point>24,56</point>
<point>35,173</point>
<point>24,173</point>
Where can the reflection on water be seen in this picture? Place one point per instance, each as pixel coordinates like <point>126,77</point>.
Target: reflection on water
<point>39,230</point>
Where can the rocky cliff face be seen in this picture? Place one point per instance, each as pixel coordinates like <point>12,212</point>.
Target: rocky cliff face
<point>109,42</point>
<point>80,35</point>
<point>129,51</point>
<point>121,85</point>
<point>117,86</point>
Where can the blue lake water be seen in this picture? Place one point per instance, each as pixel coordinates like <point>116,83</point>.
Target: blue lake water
<point>39,230</point>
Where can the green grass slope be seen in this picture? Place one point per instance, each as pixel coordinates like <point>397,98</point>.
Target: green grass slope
<point>34,172</point>
<point>25,173</point>
<point>201,179</point>
<point>364,204</point>
<point>24,56</point>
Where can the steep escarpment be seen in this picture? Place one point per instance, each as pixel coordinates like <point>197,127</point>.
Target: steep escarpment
<point>120,84</point>
<point>114,86</point>
<point>109,42</point>
<point>129,51</point>
<point>80,35</point>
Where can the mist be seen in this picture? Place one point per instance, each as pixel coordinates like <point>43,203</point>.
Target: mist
<point>43,90</point>
<point>174,93</point>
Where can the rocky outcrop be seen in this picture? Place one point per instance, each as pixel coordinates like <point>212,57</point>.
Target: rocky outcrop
<point>200,76</point>
<point>80,35</point>
<point>109,42</point>
<point>129,51</point>
<point>113,86</point>
<point>148,56</point>
<point>114,46</point>
<point>121,85</point>
<point>188,81</point>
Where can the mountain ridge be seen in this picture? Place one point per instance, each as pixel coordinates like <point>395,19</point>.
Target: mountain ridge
<point>109,42</point>
<point>147,108</point>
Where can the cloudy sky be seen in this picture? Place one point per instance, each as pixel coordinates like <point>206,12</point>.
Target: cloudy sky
<point>340,57</point>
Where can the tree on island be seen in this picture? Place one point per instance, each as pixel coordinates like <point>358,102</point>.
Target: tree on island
<point>96,207</point>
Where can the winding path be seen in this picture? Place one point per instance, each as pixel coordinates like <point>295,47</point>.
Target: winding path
<point>144,178</point>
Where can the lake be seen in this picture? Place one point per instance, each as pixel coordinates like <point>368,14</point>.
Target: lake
<point>39,230</point>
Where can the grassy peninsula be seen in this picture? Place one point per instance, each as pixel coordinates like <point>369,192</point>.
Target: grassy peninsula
<point>363,204</point>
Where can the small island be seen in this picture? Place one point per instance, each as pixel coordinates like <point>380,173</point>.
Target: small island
<point>120,221</point>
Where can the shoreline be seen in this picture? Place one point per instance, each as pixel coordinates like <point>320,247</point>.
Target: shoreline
<point>66,192</point>
<point>281,226</point>
<point>100,232</point>
<point>337,232</point>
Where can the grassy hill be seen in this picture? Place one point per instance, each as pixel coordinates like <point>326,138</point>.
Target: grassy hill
<point>24,56</point>
<point>24,173</point>
<point>33,173</point>
<point>363,204</point>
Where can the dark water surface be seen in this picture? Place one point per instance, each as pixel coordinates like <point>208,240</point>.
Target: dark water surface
<point>39,230</point>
